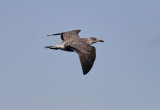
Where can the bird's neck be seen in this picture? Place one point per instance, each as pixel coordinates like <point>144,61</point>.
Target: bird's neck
<point>87,41</point>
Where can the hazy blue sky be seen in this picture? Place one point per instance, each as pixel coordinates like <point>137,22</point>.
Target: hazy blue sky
<point>126,73</point>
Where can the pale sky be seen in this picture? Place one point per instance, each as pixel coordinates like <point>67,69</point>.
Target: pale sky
<point>125,75</point>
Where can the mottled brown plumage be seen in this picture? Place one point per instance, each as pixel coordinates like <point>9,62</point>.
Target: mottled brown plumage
<point>82,46</point>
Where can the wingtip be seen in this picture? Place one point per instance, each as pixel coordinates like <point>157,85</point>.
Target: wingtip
<point>84,73</point>
<point>47,47</point>
<point>79,30</point>
<point>50,35</point>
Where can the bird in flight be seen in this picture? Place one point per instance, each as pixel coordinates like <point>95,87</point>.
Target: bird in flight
<point>82,46</point>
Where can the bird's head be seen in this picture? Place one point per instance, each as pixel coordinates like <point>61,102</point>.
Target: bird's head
<point>92,40</point>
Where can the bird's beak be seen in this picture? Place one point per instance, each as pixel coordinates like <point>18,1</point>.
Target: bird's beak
<point>101,41</point>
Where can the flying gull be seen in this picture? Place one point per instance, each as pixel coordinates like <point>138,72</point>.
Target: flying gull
<point>82,46</point>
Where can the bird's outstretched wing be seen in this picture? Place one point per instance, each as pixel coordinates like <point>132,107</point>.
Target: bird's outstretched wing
<point>68,35</point>
<point>87,55</point>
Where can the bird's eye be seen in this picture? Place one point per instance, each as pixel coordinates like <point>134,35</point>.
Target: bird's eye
<point>94,38</point>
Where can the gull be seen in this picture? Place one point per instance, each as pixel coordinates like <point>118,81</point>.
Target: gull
<point>82,46</point>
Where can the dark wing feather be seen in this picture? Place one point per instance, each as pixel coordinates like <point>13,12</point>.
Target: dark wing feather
<point>87,55</point>
<point>68,35</point>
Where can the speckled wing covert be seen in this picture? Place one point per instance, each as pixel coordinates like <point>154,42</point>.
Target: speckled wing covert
<point>87,55</point>
<point>68,35</point>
